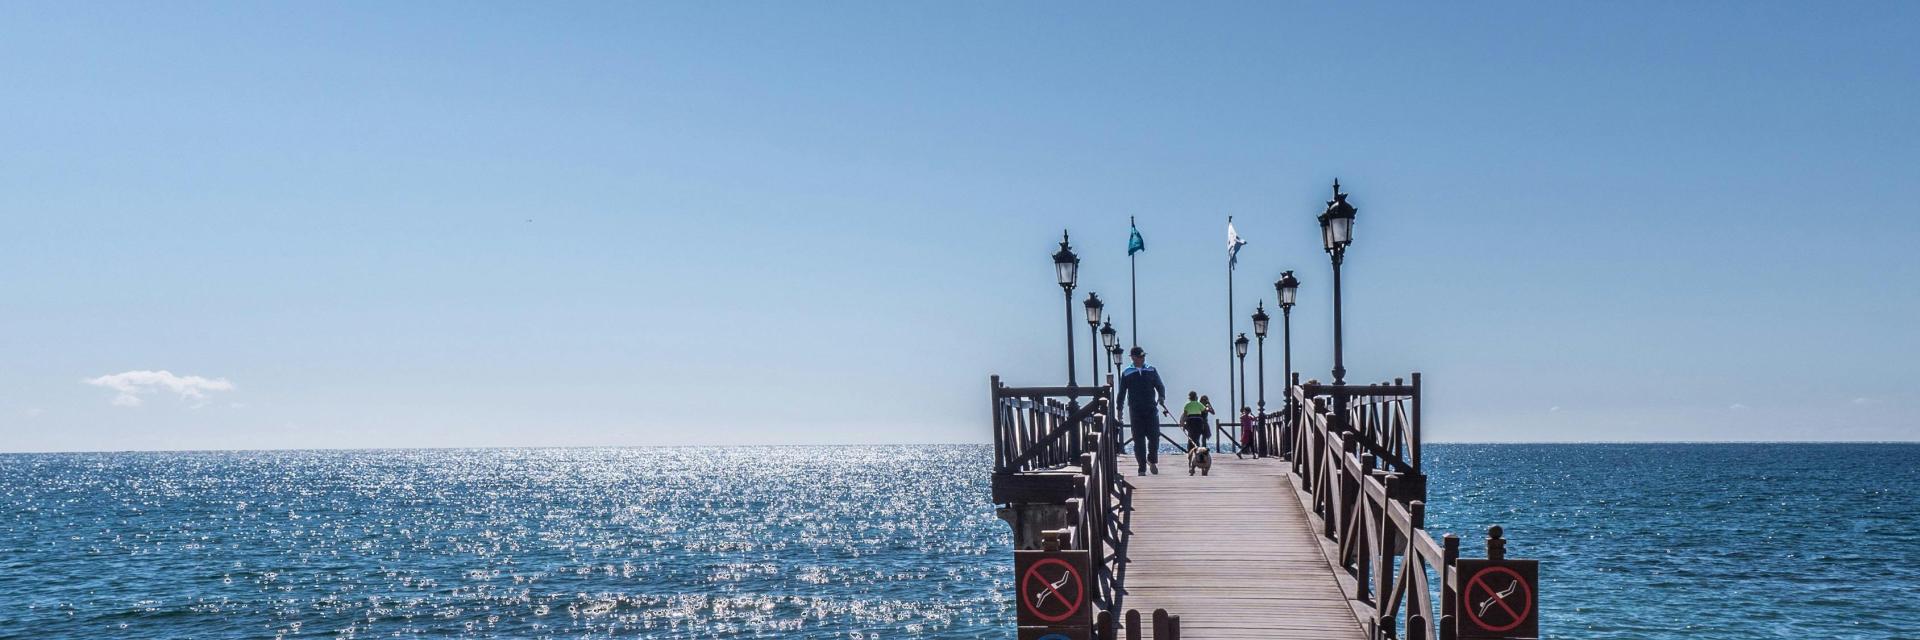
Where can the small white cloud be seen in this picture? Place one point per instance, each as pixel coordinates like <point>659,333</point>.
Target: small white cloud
<point>1737,407</point>
<point>1864,401</point>
<point>35,412</point>
<point>1555,409</point>
<point>131,385</point>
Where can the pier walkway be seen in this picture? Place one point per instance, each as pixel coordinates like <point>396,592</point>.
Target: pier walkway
<point>1234,553</point>
<point>1324,537</point>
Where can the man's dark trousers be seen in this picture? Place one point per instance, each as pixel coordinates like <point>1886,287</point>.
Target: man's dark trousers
<point>1146,436</point>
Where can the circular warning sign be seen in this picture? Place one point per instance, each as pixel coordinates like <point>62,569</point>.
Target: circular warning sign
<point>1498,599</point>
<point>1052,590</point>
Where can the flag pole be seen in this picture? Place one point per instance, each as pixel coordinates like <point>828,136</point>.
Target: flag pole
<point>1133,284</point>
<point>1231,250</point>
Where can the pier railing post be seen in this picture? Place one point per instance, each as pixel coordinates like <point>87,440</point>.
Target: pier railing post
<point>1449,584</point>
<point>1415,419</point>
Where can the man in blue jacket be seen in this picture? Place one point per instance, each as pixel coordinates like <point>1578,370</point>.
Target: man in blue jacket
<point>1142,383</point>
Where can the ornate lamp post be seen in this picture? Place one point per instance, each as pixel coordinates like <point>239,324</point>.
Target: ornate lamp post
<point>1240,350</point>
<point>1066,267</point>
<point>1336,231</point>
<point>1260,319</point>
<point>1110,340</point>
<point>1113,353</point>
<point>1286,287</point>
<point>1094,306</point>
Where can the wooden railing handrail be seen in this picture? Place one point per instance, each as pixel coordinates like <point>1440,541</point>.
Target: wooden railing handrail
<point>1386,416</point>
<point>1371,504</point>
<point>1034,432</point>
<point>1067,425</point>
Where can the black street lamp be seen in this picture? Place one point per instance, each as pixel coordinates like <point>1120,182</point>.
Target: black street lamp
<point>1066,267</point>
<point>1110,340</point>
<point>1113,352</point>
<point>1094,306</point>
<point>1240,350</point>
<point>1336,230</point>
<point>1287,287</point>
<point>1260,319</point>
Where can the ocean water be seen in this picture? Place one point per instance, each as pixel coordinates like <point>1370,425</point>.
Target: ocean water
<point>1637,541</point>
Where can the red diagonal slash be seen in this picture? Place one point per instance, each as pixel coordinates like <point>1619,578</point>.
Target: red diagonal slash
<point>1477,582</point>
<point>1034,576</point>
<point>1051,589</point>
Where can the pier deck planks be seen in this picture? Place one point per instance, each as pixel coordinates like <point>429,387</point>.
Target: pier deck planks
<point>1232,554</point>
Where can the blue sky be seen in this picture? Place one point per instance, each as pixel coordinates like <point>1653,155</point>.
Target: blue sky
<point>469,224</point>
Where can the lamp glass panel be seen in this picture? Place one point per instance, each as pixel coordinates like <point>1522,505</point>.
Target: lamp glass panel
<point>1066,272</point>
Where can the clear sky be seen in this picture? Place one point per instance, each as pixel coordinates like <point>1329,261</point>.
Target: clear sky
<point>470,224</point>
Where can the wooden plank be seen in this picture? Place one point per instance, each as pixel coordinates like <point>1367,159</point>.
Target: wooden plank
<point>1233,554</point>
<point>1052,487</point>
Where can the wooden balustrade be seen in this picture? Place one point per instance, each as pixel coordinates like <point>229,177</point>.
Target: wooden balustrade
<point>1362,481</point>
<point>1055,452</point>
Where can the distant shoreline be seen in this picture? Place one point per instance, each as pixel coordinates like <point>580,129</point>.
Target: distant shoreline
<point>942,444</point>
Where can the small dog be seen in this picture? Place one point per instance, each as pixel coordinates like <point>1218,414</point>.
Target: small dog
<point>1199,459</point>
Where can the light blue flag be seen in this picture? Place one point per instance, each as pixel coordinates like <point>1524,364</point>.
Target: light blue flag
<point>1135,244</point>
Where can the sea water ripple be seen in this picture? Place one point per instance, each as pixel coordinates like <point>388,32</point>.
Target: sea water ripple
<point>1637,541</point>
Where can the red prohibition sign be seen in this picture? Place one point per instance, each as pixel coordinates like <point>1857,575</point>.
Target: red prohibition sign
<point>1052,589</point>
<point>1497,598</point>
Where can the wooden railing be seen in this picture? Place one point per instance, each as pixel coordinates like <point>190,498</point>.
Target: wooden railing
<point>1049,450</point>
<point>1356,466</point>
<point>1272,431</point>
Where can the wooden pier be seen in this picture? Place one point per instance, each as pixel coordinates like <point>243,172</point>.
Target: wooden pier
<point>1234,555</point>
<point>1321,537</point>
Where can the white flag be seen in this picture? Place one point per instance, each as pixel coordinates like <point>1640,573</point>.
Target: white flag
<point>1234,242</point>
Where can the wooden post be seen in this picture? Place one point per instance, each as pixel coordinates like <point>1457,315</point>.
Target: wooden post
<point>1173,627</point>
<point>1103,626</point>
<point>999,443</point>
<point>1496,546</point>
<point>1417,627</point>
<point>1449,552</point>
<point>1416,425</point>
<point>1133,624</point>
<point>1160,625</point>
<point>1383,569</point>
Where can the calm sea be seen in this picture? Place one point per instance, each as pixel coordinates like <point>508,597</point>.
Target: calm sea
<point>1639,541</point>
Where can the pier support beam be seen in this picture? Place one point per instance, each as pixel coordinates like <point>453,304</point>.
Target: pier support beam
<point>1031,519</point>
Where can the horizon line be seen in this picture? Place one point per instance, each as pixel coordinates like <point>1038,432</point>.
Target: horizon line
<point>911,444</point>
